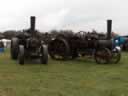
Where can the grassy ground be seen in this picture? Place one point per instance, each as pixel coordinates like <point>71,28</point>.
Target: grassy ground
<point>79,77</point>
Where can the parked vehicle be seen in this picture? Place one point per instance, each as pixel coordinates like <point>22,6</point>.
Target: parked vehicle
<point>66,46</point>
<point>29,45</point>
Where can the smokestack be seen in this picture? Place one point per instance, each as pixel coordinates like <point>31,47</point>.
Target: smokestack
<point>109,29</point>
<point>32,22</point>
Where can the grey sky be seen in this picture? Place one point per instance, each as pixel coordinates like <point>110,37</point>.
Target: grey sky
<point>64,14</point>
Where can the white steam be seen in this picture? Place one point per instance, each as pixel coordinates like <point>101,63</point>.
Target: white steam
<point>54,20</point>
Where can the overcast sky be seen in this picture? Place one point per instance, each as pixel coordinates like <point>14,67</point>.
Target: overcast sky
<point>64,14</point>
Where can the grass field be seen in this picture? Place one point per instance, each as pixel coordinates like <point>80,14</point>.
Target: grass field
<point>79,77</point>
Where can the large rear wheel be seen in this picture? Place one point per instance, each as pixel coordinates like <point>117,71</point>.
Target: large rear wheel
<point>59,49</point>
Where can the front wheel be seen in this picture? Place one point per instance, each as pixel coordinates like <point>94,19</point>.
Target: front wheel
<point>14,48</point>
<point>102,56</point>
<point>116,56</point>
<point>21,55</point>
<point>44,54</point>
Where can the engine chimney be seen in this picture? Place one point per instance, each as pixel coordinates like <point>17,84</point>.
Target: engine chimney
<point>32,22</point>
<point>109,29</point>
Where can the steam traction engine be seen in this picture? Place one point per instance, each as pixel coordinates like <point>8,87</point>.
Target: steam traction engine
<point>66,46</point>
<point>29,45</point>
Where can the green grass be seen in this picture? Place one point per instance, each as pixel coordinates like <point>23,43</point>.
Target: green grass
<point>80,77</point>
